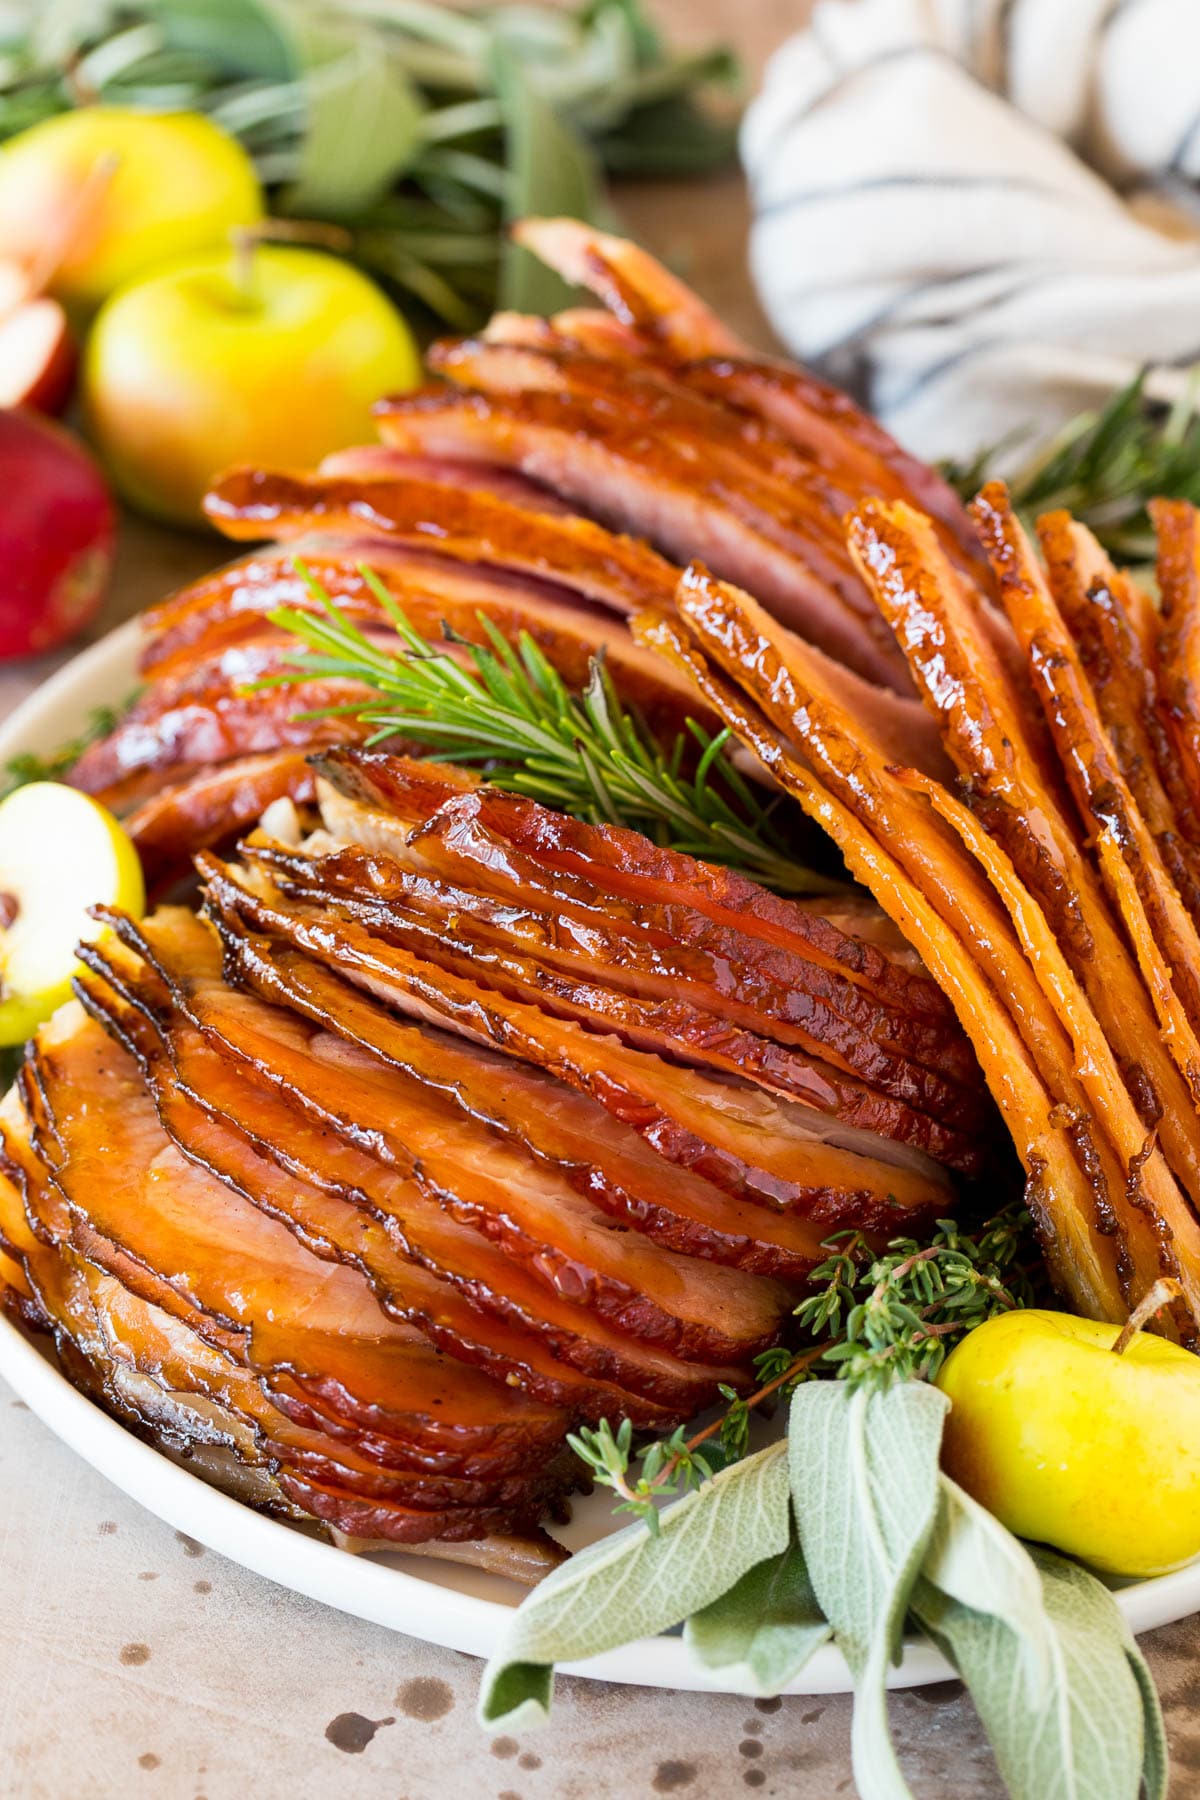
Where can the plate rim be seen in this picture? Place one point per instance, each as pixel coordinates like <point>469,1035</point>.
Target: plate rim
<point>370,1590</point>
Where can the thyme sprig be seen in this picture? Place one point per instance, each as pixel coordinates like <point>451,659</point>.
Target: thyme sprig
<point>1104,466</point>
<point>877,1318</point>
<point>670,1465</point>
<point>506,709</point>
<point>53,765</point>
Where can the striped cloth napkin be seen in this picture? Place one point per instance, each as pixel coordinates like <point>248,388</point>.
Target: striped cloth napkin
<point>982,215</point>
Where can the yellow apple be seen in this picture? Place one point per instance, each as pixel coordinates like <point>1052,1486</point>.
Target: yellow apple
<point>60,852</point>
<point>1070,1444</point>
<point>103,194</point>
<point>213,362</point>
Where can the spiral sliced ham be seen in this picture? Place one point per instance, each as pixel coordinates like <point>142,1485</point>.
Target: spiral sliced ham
<point>451,1122</point>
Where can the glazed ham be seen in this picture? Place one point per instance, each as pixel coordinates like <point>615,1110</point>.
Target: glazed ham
<point>448,1122</point>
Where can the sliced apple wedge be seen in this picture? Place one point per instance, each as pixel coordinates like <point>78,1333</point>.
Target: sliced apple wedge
<point>37,357</point>
<point>60,852</point>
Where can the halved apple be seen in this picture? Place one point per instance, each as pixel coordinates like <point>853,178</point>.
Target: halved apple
<point>60,852</point>
<point>37,356</point>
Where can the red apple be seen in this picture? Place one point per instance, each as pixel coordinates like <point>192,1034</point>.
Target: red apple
<point>57,535</point>
<point>37,356</point>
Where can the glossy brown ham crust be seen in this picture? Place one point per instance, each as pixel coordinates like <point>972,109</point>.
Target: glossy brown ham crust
<point>1097,782</point>
<point>644,884</point>
<point>347,1206</point>
<point>334,1325</point>
<point>634,287</point>
<point>1101,607</point>
<point>602,1322</point>
<point>656,315</point>
<point>213,806</point>
<point>1000,744</point>
<point>455,522</point>
<point>610,982</point>
<point>636,482</point>
<point>750,1144</point>
<point>1052,1138</point>
<point>224,612</point>
<point>1178,659</point>
<point>212,714</point>
<point>786,494</point>
<point>598,1154</point>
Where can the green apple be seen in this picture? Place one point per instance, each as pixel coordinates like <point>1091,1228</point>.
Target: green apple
<point>1071,1444</point>
<point>60,852</point>
<point>274,360</point>
<point>101,195</point>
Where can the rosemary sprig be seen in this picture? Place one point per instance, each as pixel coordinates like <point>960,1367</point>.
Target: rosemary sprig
<point>1105,465</point>
<point>509,712</point>
<point>877,1318</point>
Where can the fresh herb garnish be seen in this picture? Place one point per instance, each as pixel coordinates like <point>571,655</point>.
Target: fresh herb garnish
<point>899,1314</point>
<point>876,1318</point>
<point>1104,466</point>
<point>52,765</point>
<point>850,1531</point>
<point>420,127</point>
<point>588,754</point>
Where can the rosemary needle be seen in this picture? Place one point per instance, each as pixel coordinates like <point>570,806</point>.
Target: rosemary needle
<point>506,710</point>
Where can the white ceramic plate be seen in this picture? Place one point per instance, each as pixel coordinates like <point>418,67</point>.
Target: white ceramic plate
<point>439,1602</point>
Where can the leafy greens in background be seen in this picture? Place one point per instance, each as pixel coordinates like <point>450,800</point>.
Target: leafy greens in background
<point>419,128</point>
<point>1104,466</point>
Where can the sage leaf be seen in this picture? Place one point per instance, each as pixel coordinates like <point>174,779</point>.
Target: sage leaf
<point>551,172</point>
<point>637,1583</point>
<point>1082,1735</point>
<point>362,114</point>
<point>762,1632</point>
<point>865,1482</point>
<point>973,1559</point>
<point>249,37</point>
<point>1156,1759</point>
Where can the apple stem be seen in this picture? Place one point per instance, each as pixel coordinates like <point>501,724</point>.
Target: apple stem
<point>1163,1293</point>
<point>246,239</point>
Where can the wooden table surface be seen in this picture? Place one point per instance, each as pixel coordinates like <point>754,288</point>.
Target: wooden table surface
<point>133,1663</point>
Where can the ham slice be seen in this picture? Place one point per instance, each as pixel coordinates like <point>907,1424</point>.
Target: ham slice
<point>1178,528</point>
<point>672,898</point>
<point>608,982</point>
<point>651,305</point>
<point>211,807</point>
<point>229,610</point>
<point>1018,791</point>
<point>782,492</point>
<point>634,482</point>
<point>752,1145</point>
<point>856,769</point>
<point>1102,609</point>
<point>190,722</point>
<point>615,1297</point>
<point>461,523</point>
<point>1064,1187</point>
<point>636,288</point>
<point>346,1206</point>
<point>372,461</point>
<point>597,1153</point>
<point>1149,904</point>
<point>166,1214</point>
